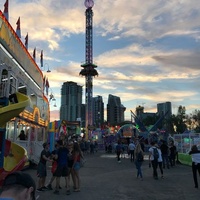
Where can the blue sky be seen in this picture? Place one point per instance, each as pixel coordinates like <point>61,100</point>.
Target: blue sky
<point>147,52</point>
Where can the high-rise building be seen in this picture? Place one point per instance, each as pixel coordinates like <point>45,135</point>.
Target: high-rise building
<point>71,100</point>
<point>115,110</point>
<point>143,115</point>
<point>98,111</point>
<point>164,108</point>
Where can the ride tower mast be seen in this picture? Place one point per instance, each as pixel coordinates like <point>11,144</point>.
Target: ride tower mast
<point>88,68</point>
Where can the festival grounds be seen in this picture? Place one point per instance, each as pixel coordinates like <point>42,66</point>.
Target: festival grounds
<point>103,178</point>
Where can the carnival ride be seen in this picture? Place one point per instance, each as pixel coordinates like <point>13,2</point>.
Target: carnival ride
<point>20,76</point>
<point>13,109</point>
<point>13,156</point>
<point>89,70</point>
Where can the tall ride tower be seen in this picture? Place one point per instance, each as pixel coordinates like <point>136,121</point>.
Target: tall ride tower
<point>89,68</point>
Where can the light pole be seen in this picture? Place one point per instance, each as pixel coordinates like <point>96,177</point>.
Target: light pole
<point>48,70</point>
<point>99,119</point>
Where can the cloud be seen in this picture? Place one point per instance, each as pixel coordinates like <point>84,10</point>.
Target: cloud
<point>147,53</point>
<point>55,115</point>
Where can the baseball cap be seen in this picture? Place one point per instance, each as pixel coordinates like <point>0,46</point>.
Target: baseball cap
<point>20,178</point>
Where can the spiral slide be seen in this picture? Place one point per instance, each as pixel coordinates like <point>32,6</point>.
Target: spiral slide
<point>14,109</point>
<point>15,156</point>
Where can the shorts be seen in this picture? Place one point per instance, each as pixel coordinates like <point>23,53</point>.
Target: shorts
<point>61,171</point>
<point>41,170</point>
<point>77,166</point>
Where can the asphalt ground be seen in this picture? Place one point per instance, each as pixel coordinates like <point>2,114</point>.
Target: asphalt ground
<point>103,178</point>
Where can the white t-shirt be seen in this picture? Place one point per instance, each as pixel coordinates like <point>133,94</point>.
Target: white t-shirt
<point>151,153</point>
<point>196,157</point>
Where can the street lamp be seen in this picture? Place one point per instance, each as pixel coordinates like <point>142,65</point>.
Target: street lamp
<point>48,70</point>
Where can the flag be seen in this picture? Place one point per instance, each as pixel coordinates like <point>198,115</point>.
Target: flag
<point>26,41</point>
<point>44,82</point>
<point>34,54</point>
<point>5,12</point>
<point>47,87</point>
<point>18,30</point>
<point>41,59</point>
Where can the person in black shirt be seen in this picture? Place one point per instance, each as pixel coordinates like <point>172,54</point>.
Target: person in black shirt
<point>165,154</point>
<point>62,167</point>
<point>195,153</point>
<point>172,154</point>
<point>42,171</point>
<point>22,135</point>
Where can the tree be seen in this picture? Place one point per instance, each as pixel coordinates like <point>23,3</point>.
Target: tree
<point>193,121</point>
<point>180,119</point>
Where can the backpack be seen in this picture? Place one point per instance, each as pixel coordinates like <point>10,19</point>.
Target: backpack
<point>155,153</point>
<point>140,157</point>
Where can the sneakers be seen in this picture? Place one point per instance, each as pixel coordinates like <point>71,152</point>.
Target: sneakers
<point>68,192</point>
<point>77,190</point>
<point>45,188</point>
<point>49,187</point>
<point>56,192</point>
<point>40,190</point>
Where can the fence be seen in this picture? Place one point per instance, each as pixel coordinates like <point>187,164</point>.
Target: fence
<point>185,141</point>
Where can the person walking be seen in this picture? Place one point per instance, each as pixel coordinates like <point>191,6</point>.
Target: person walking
<point>131,148</point>
<point>195,153</point>
<point>160,161</point>
<point>153,158</point>
<point>165,154</point>
<point>172,154</point>
<point>118,151</point>
<point>139,158</point>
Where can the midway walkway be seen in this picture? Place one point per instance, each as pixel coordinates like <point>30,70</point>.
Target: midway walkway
<point>103,178</point>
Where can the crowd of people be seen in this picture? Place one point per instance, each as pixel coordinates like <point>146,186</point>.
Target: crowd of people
<point>160,155</point>
<point>66,163</point>
<point>166,155</point>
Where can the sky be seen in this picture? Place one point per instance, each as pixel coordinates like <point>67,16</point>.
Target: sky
<point>147,52</point>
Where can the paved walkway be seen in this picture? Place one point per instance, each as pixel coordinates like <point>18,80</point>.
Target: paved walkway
<point>103,178</point>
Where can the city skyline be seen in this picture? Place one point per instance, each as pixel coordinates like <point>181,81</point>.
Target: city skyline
<point>145,55</point>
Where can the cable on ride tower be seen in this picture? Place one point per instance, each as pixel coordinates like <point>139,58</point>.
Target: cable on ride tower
<point>88,68</point>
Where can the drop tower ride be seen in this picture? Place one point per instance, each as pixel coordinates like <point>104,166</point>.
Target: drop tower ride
<point>89,70</point>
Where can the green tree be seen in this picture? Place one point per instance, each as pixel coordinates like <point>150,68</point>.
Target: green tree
<point>180,120</point>
<point>193,121</point>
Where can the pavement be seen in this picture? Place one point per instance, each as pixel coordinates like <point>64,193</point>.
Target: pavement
<point>103,178</point>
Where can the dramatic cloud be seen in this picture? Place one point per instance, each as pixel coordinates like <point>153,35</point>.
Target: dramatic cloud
<point>146,52</point>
